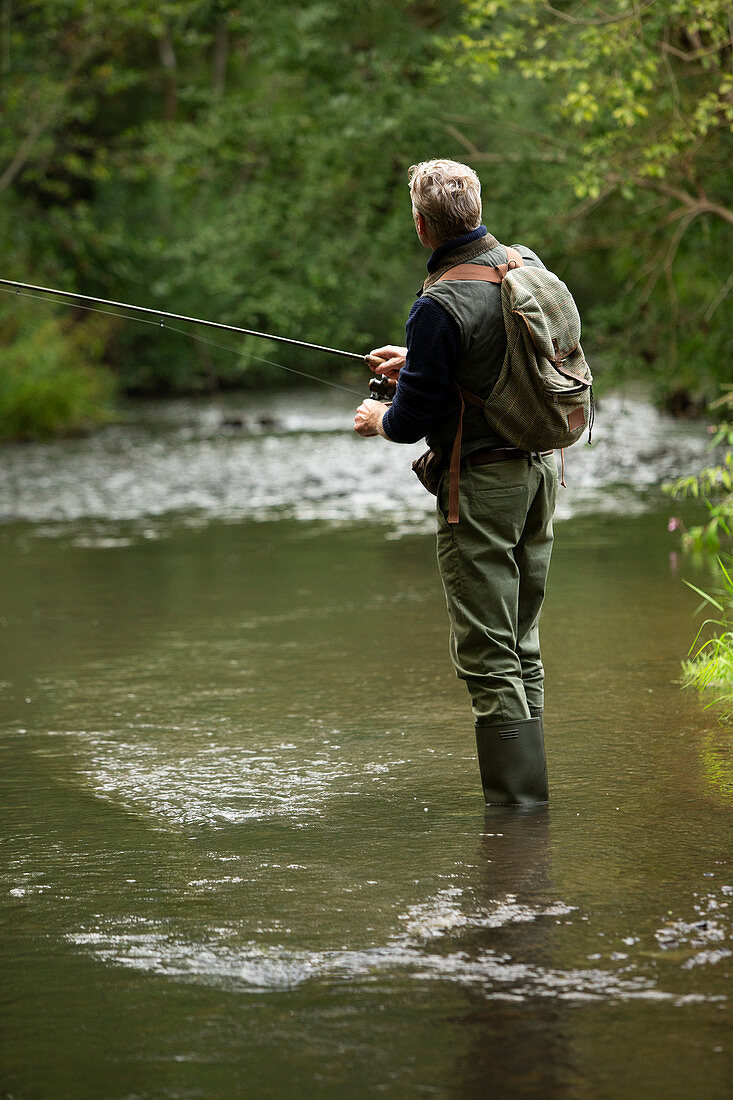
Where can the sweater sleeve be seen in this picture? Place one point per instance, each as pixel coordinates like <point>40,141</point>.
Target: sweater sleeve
<point>426,380</point>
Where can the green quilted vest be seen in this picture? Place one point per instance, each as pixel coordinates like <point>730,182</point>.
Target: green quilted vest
<point>476,309</point>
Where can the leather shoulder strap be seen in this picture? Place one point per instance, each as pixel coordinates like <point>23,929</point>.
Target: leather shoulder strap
<point>454,472</point>
<point>482,273</point>
<point>476,272</point>
<point>465,254</point>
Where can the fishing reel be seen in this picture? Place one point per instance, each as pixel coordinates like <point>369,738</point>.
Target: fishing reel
<point>382,388</point>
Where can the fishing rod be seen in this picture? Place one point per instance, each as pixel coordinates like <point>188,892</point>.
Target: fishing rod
<point>164,314</point>
<point>380,387</point>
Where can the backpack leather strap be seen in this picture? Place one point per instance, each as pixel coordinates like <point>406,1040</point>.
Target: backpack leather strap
<point>476,273</point>
<point>481,272</point>
<point>454,473</point>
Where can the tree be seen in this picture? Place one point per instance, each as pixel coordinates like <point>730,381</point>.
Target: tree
<point>246,163</point>
<point>632,104</point>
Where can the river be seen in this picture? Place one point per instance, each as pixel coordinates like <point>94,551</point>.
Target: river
<point>244,850</point>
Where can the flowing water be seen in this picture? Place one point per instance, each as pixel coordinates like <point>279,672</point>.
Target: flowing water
<point>244,851</point>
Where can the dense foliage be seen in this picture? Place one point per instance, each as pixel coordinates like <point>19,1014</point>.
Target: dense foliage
<point>248,163</point>
<point>630,102</point>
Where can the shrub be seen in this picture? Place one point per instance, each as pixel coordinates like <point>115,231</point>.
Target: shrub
<point>51,381</point>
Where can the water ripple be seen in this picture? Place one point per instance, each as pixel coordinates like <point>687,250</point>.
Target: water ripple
<point>252,967</point>
<point>218,784</point>
<point>307,464</point>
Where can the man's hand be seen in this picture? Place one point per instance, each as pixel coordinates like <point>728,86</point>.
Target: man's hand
<point>368,419</point>
<point>388,360</point>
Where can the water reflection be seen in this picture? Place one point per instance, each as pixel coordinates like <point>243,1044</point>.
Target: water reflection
<point>509,1040</point>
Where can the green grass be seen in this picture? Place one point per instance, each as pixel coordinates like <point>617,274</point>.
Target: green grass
<point>709,668</point>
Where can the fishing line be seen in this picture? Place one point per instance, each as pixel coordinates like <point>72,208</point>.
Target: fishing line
<point>161,313</point>
<point>195,336</point>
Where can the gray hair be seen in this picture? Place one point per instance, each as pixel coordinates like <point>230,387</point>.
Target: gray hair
<point>448,195</point>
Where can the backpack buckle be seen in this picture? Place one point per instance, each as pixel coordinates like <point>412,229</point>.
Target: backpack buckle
<point>558,360</point>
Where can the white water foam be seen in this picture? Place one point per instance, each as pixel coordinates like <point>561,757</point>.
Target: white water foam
<point>253,967</point>
<point>307,465</point>
<point>220,784</point>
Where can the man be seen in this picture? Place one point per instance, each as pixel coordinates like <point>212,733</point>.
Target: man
<point>494,560</point>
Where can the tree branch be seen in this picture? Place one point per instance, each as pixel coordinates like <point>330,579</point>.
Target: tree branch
<point>666,267</point>
<point>538,136</point>
<point>497,158</point>
<point>6,17</point>
<point>674,302</point>
<point>168,60</point>
<point>221,55</point>
<point>18,162</point>
<point>717,298</point>
<point>693,204</point>
<point>601,21</point>
<point>695,55</point>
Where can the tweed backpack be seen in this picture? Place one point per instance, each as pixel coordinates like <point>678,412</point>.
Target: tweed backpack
<point>543,397</point>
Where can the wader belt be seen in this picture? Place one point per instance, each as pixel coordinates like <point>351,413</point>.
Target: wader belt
<point>478,458</point>
<point>500,454</point>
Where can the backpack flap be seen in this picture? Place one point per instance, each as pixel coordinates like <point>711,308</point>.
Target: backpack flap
<point>546,307</point>
<point>542,399</point>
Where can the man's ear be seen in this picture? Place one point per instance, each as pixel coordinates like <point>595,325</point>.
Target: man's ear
<point>422,229</point>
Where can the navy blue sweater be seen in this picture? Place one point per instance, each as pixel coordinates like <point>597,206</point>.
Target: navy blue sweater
<point>433,347</point>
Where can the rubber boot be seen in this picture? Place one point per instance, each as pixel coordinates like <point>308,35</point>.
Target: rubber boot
<point>511,757</point>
